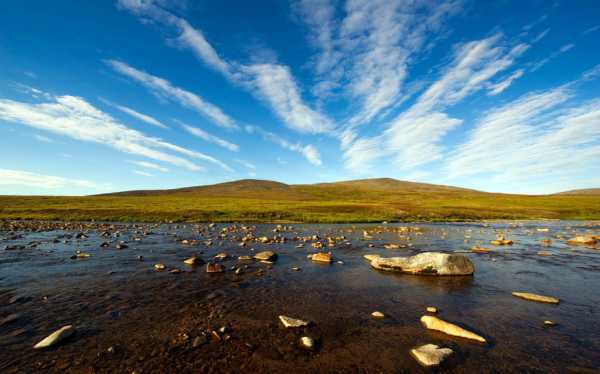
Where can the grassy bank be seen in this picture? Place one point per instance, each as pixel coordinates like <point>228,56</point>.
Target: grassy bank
<point>258,201</point>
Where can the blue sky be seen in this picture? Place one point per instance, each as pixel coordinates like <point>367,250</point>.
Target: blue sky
<point>106,96</point>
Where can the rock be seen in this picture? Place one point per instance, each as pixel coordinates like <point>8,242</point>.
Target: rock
<point>221,256</point>
<point>8,319</point>
<point>159,267</point>
<point>56,337</point>
<point>377,314</point>
<point>434,323</point>
<point>245,258</point>
<point>583,240</point>
<point>432,309</point>
<point>430,354</point>
<point>321,257</point>
<point>426,263</point>
<point>307,342</point>
<point>478,249</point>
<point>266,256</point>
<point>292,322</point>
<point>538,298</point>
<point>214,268</point>
<point>549,323</point>
<point>121,246</point>
<point>193,261</point>
<point>370,257</point>
<point>199,340</point>
<point>501,240</point>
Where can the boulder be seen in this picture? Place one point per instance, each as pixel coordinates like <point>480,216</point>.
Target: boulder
<point>426,263</point>
<point>430,354</point>
<point>434,323</point>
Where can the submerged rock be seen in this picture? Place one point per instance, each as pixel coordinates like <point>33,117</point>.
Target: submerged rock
<point>434,323</point>
<point>538,298</point>
<point>56,337</point>
<point>266,256</point>
<point>430,354</point>
<point>292,322</point>
<point>426,263</point>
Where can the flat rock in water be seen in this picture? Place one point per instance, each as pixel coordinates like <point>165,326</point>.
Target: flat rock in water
<point>321,257</point>
<point>292,322</point>
<point>426,263</point>
<point>584,240</point>
<point>430,354</point>
<point>434,323</point>
<point>56,337</point>
<point>538,298</point>
<point>266,256</point>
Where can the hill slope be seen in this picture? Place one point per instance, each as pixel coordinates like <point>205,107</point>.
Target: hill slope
<point>252,200</point>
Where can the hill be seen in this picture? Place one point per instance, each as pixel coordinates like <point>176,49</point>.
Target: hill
<point>585,191</point>
<point>251,200</point>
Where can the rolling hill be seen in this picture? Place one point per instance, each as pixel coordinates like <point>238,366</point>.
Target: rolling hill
<point>250,200</point>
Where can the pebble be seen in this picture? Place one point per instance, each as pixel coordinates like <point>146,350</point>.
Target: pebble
<point>430,354</point>
<point>266,256</point>
<point>159,267</point>
<point>56,337</point>
<point>434,323</point>
<point>193,261</point>
<point>307,342</point>
<point>377,314</point>
<point>292,322</point>
<point>432,309</point>
<point>549,323</point>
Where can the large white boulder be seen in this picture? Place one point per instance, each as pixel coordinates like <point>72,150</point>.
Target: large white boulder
<point>426,263</point>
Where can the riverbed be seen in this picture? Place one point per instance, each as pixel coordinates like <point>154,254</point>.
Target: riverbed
<point>130,317</point>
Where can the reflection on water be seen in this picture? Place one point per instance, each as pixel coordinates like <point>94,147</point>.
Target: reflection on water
<point>116,299</point>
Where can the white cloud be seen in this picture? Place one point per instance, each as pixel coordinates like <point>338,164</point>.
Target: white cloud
<point>279,89</point>
<point>497,88</point>
<point>367,53</point>
<point>148,165</point>
<point>531,137</point>
<point>142,173</point>
<point>591,30</point>
<point>271,82</point>
<point>165,89</point>
<point>142,117</point>
<point>23,178</point>
<point>74,117</point>
<point>43,138</point>
<point>246,164</point>
<point>413,138</point>
<point>209,138</point>
<point>308,151</point>
<point>565,48</point>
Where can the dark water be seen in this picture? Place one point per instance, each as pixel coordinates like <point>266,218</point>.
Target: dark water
<point>130,317</point>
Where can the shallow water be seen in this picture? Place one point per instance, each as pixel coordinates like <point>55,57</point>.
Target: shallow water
<point>150,319</point>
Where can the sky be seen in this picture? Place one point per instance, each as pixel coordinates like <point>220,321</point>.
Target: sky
<point>101,96</point>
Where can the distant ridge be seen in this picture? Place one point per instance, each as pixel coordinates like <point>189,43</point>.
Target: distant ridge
<point>583,191</point>
<point>251,187</point>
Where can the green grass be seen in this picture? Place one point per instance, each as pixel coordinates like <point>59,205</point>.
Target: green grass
<point>257,201</point>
